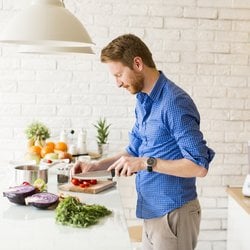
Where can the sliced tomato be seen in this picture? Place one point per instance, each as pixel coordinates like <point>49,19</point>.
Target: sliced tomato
<point>93,182</point>
<point>75,182</point>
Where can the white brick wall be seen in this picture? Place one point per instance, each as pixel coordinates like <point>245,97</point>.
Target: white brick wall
<point>202,45</point>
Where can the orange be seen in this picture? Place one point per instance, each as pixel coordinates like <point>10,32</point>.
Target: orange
<point>61,146</point>
<point>35,149</point>
<point>50,144</point>
<point>45,150</point>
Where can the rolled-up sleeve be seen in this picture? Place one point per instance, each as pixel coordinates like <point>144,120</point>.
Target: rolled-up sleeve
<point>184,125</point>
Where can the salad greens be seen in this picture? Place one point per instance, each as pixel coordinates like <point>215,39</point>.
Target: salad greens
<point>70,211</point>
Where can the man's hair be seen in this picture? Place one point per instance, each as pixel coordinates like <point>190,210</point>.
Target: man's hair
<point>125,48</point>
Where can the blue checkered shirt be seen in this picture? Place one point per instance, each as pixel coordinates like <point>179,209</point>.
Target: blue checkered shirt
<point>166,127</point>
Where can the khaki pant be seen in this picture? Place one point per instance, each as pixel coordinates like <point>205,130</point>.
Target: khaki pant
<point>177,230</point>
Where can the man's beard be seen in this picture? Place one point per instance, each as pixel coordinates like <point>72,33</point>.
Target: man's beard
<point>137,84</point>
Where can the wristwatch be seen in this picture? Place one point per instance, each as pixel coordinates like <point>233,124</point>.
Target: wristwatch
<point>151,162</point>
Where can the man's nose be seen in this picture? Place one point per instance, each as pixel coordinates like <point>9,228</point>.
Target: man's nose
<point>119,83</point>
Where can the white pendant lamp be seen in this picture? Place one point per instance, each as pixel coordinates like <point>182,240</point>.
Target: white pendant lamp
<point>46,22</point>
<point>43,50</point>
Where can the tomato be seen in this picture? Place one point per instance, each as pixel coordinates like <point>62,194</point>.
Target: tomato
<point>25,183</point>
<point>93,182</point>
<point>84,184</point>
<point>75,182</point>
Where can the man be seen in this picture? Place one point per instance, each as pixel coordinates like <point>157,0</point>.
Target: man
<point>166,149</point>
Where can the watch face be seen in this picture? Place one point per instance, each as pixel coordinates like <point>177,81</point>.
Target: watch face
<point>151,161</point>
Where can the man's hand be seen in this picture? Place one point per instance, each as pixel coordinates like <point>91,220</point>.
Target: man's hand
<point>128,165</point>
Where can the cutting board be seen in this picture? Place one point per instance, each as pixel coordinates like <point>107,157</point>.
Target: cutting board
<point>93,189</point>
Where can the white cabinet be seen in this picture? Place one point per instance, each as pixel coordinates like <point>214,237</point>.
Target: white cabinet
<point>238,237</point>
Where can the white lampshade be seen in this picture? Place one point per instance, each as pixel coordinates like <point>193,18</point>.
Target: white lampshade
<point>46,22</point>
<point>34,49</point>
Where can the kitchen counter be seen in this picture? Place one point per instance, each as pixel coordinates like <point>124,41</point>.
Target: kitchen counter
<point>236,194</point>
<point>238,220</point>
<point>28,228</point>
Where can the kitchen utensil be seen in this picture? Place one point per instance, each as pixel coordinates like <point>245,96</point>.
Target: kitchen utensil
<point>30,173</point>
<point>246,185</point>
<point>101,174</point>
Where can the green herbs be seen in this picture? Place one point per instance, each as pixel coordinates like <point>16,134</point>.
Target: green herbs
<point>72,212</point>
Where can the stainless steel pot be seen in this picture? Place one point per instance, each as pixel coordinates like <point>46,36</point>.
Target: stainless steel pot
<point>30,173</point>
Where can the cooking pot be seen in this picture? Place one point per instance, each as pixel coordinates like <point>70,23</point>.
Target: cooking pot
<point>30,173</point>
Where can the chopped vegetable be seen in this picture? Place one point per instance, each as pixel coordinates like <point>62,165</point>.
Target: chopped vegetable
<point>70,211</point>
<point>42,200</point>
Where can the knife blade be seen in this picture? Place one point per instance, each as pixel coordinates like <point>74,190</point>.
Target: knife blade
<point>99,174</point>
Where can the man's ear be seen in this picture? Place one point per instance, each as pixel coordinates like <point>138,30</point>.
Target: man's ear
<point>138,63</point>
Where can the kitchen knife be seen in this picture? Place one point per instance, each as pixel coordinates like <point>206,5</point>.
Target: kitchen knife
<point>100,174</point>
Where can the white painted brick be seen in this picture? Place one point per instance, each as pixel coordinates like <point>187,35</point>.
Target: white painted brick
<point>15,4</point>
<point>52,76</point>
<point>88,99</point>
<point>236,159</point>
<point>214,69</point>
<point>179,45</point>
<point>228,147</point>
<point>238,115</point>
<point>215,136</point>
<point>179,23</point>
<point>241,4</point>
<point>206,202</point>
<point>209,181</point>
<point>214,114</point>
<point>122,9</point>
<point>210,191</point>
<point>38,110</point>
<point>234,14</point>
<point>221,245</point>
<point>233,180</point>
<point>213,47</point>
<point>240,48</point>
<point>231,59</point>
<point>162,34</point>
<point>167,56</point>
<point>214,213</point>
<point>209,13</point>
<point>222,203</point>
<point>165,10</point>
<point>214,3</point>
<point>9,63</point>
<point>76,110</point>
<point>146,21</point>
<point>241,25</point>
<point>194,57</point>
<point>227,36</point>
<point>203,245</point>
<point>50,99</point>
<point>214,25</point>
<point>213,235</point>
<point>228,103</point>
<point>10,109</point>
<point>209,91</point>
<point>197,35</point>
<point>240,70</point>
<point>172,68</point>
<point>237,137</point>
<point>196,80</point>
<point>210,225</point>
<point>38,64</point>
<point>231,81</point>
<point>228,169</point>
<point>113,20</point>
<point>17,98</point>
<point>76,65</point>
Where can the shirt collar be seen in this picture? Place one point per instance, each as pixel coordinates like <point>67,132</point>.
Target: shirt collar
<point>155,92</point>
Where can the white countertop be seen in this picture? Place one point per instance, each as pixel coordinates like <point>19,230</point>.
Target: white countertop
<point>28,228</point>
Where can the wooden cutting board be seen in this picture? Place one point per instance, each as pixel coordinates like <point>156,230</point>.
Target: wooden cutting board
<point>93,189</point>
